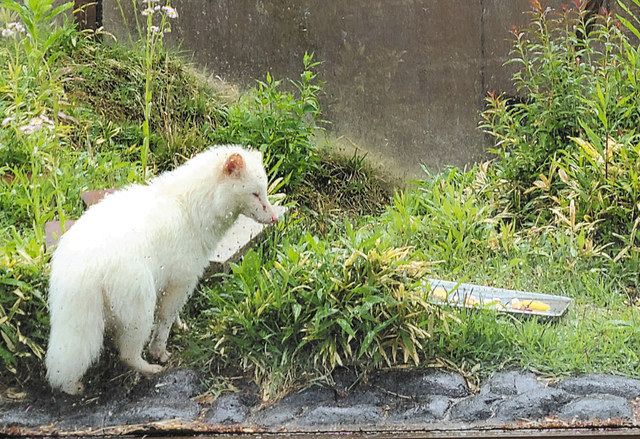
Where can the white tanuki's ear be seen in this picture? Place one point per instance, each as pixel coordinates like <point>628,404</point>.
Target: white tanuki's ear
<point>234,165</point>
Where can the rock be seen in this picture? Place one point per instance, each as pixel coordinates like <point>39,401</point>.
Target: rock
<point>344,379</point>
<point>364,414</point>
<point>53,230</point>
<point>166,397</point>
<point>434,410</point>
<point>533,405</point>
<point>242,235</point>
<point>422,384</point>
<point>597,407</point>
<point>65,411</point>
<point>21,416</point>
<point>228,409</point>
<point>310,396</point>
<point>294,405</point>
<point>276,416</point>
<point>367,395</point>
<point>474,409</point>
<point>602,384</point>
<point>511,383</point>
<point>153,410</point>
<point>87,417</point>
<point>93,197</point>
<point>177,383</point>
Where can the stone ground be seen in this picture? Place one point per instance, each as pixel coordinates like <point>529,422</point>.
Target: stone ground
<point>398,400</point>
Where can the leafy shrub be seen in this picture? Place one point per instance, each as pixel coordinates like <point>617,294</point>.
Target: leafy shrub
<point>320,304</point>
<point>567,153</point>
<point>299,305</point>
<point>564,78</point>
<point>279,123</point>
<point>448,213</point>
<point>22,305</point>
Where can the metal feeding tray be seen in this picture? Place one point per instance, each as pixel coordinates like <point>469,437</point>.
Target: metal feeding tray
<point>477,296</point>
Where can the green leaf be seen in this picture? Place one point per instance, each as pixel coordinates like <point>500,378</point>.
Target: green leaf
<point>346,327</point>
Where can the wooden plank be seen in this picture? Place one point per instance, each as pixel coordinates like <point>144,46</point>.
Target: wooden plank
<point>88,14</point>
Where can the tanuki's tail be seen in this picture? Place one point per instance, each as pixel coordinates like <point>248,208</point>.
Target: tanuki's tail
<point>77,328</point>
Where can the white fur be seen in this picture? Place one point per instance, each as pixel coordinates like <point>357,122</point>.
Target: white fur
<point>140,252</point>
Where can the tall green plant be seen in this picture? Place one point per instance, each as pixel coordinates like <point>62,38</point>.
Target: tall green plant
<point>34,92</point>
<point>157,20</point>
<point>31,129</point>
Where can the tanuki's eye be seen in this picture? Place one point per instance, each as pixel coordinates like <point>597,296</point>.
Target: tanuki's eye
<point>255,194</point>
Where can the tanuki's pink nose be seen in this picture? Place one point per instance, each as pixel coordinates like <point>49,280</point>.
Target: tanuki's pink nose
<point>274,218</point>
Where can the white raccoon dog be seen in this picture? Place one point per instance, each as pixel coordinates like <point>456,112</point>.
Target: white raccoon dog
<point>139,253</point>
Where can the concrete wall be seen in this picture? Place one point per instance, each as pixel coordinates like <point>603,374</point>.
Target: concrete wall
<point>405,79</point>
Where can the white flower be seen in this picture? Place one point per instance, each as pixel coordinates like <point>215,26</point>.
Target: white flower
<point>36,124</point>
<point>18,27</point>
<point>13,29</point>
<point>151,10</point>
<point>171,12</point>
<point>46,120</point>
<point>155,29</point>
<point>29,129</point>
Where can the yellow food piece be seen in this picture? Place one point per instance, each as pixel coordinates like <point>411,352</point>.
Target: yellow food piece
<point>440,293</point>
<point>537,305</point>
<point>530,305</point>
<point>515,304</point>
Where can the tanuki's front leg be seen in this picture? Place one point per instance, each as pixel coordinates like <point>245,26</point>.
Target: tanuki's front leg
<point>168,309</point>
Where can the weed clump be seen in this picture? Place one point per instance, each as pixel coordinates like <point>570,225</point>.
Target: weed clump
<point>319,304</point>
<point>568,153</point>
<point>279,123</point>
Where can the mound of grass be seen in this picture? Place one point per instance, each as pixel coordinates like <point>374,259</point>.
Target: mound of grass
<point>109,81</point>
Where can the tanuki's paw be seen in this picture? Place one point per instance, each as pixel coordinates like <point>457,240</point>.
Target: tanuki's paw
<point>142,366</point>
<point>160,354</point>
<point>151,369</point>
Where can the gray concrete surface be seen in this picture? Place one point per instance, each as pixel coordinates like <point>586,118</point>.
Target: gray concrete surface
<point>389,400</point>
<point>405,79</point>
